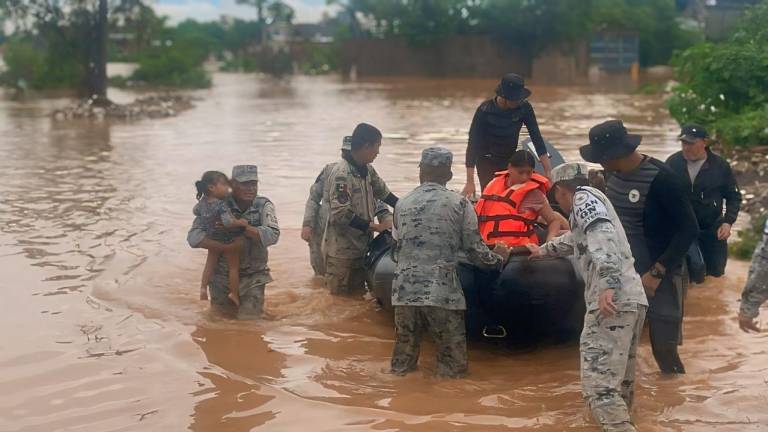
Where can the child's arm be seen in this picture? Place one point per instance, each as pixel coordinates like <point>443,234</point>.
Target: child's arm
<point>553,222</point>
<point>228,219</point>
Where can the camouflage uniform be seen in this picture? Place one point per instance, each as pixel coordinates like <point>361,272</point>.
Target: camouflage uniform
<point>351,192</point>
<point>316,217</point>
<point>756,291</point>
<point>254,272</point>
<point>608,344</point>
<point>432,226</point>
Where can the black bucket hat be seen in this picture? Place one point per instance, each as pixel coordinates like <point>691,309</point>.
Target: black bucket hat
<point>512,87</point>
<point>608,141</point>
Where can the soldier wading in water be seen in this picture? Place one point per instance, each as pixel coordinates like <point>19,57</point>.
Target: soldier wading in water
<point>616,304</point>
<point>432,226</point>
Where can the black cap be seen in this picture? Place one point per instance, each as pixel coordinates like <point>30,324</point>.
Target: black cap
<point>512,87</point>
<point>608,141</point>
<point>692,132</point>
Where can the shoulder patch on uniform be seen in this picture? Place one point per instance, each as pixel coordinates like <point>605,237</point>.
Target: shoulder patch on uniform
<point>587,209</point>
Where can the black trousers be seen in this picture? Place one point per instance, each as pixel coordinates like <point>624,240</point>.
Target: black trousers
<point>714,251</point>
<point>665,337</point>
<point>487,167</point>
<point>665,321</point>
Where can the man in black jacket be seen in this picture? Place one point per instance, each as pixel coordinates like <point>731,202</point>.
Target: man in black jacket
<point>660,224</point>
<point>710,182</point>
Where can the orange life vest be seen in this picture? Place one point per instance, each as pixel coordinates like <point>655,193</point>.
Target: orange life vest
<point>497,211</point>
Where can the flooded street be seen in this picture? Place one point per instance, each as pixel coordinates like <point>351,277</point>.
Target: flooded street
<point>101,328</point>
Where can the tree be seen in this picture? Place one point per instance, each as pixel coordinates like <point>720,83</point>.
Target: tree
<point>722,85</point>
<point>71,31</point>
<point>279,11</point>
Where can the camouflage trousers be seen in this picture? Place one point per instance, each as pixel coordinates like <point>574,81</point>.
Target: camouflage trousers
<point>448,332</point>
<point>608,354</point>
<point>251,296</point>
<point>316,257</point>
<point>345,276</point>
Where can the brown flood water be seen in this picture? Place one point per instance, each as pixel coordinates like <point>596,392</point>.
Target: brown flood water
<point>101,329</point>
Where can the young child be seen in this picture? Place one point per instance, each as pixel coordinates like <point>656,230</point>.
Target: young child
<point>210,210</point>
<point>513,202</point>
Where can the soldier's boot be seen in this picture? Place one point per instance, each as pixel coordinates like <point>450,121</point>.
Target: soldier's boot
<point>619,427</point>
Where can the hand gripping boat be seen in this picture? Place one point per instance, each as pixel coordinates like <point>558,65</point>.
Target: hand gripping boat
<point>528,302</point>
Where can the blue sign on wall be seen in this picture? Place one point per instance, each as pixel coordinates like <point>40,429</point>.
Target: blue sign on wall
<point>614,51</point>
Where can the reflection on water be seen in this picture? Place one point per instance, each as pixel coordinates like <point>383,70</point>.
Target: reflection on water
<point>101,329</point>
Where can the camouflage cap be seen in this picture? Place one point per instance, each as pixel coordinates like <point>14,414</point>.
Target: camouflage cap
<point>570,171</point>
<point>244,173</point>
<point>436,156</point>
<point>346,144</point>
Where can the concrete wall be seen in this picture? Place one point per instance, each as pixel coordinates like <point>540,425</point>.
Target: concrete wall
<point>461,56</point>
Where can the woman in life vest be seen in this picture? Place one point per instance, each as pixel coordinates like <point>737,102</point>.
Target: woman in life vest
<point>513,202</point>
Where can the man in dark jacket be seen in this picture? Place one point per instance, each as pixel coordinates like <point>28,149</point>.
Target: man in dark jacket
<point>710,182</point>
<point>657,217</point>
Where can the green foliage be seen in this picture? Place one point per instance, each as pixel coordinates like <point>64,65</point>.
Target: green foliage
<point>39,66</point>
<point>319,60</point>
<point>175,64</point>
<point>723,86</point>
<point>749,237</point>
<point>531,26</point>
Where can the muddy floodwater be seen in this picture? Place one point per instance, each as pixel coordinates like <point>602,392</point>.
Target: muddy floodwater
<point>101,328</point>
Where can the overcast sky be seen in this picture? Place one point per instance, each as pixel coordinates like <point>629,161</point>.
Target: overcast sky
<point>207,10</point>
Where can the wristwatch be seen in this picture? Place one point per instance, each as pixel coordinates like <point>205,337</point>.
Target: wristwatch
<point>656,273</point>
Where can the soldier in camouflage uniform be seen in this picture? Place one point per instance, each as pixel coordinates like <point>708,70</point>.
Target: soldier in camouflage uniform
<point>351,191</point>
<point>316,214</point>
<point>432,227</point>
<point>616,302</point>
<point>263,231</point>
<point>756,291</point>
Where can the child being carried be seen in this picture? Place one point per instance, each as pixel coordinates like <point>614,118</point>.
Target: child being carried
<point>222,231</point>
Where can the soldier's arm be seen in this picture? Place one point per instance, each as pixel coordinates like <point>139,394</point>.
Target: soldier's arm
<point>315,197</point>
<point>605,254</point>
<point>383,214</point>
<point>380,189</point>
<point>477,252</point>
<point>559,246</point>
<point>756,290</point>
<point>342,213</point>
<point>268,233</point>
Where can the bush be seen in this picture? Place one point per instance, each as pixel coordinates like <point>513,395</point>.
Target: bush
<point>745,246</point>
<point>40,66</point>
<point>177,64</point>
<point>723,86</point>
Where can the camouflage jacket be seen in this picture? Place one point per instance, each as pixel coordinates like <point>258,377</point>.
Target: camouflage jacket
<point>756,291</point>
<point>433,225</point>
<point>254,257</point>
<point>351,199</point>
<point>316,209</point>
<point>598,241</point>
